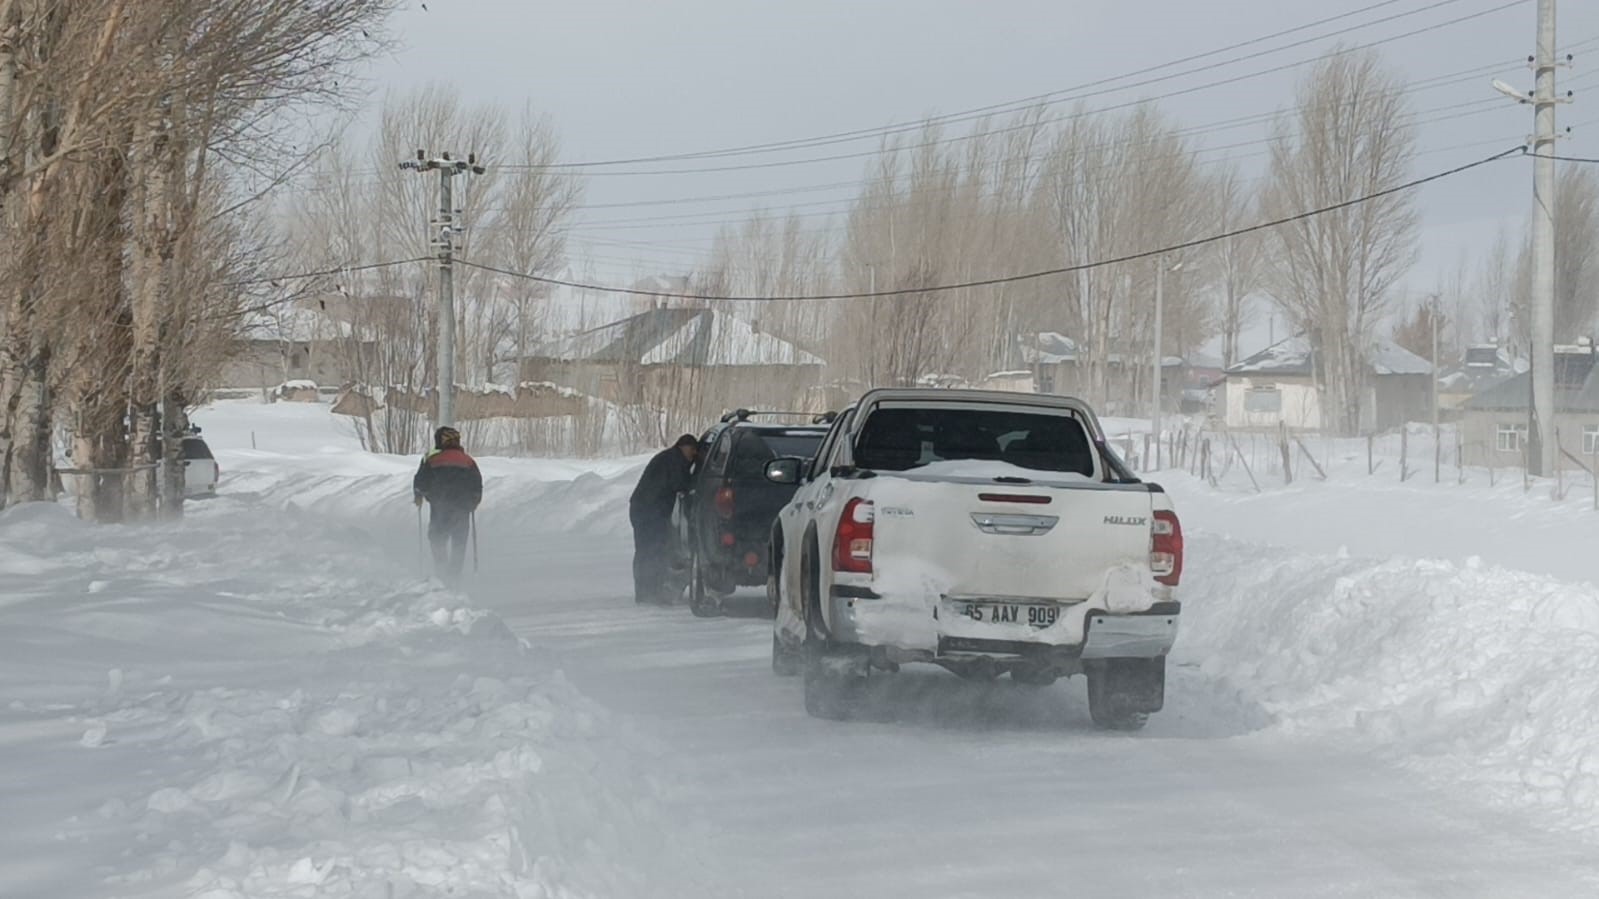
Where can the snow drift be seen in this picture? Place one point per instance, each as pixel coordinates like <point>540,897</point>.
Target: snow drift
<point>1478,675</point>
<point>255,703</point>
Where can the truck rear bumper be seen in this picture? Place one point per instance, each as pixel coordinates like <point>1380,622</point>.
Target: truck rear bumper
<point>1143,634</point>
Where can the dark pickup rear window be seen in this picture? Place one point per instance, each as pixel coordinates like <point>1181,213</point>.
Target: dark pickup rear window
<point>196,449</point>
<point>754,449</point>
<point>902,439</point>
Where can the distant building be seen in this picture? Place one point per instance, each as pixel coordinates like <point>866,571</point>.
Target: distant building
<point>1494,422</point>
<point>1281,385</point>
<point>675,356</point>
<point>290,344</point>
<point>1060,367</point>
<point>1485,366</point>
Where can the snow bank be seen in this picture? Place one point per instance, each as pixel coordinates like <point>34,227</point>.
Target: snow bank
<point>1481,676</point>
<point>255,703</point>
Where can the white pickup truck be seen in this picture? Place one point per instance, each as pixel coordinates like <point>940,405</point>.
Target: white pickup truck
<point>981,531</point>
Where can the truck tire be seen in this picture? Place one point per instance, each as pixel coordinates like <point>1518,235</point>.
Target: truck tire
<point>700,601</point>
<point>1122,692</point>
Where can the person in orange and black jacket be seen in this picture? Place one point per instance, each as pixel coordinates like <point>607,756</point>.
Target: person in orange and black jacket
<point>449,481</point>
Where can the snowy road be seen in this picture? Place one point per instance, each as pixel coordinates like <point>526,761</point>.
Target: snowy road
<point>1000,791</point>
<point>267,701</point>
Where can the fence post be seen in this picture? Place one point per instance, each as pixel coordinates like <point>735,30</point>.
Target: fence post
<point>1322,472</point>
<point>1404,454</point>
<point>1243,461</point>
<point>1371,464</point>
<point>1148,466</point>
<point>1560,468</point>
<point>1282,444</point>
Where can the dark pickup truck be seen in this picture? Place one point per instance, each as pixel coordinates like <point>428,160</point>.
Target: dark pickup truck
<point>727,516</point>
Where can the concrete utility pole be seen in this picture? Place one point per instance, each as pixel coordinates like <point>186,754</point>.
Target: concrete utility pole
<point>1541,448</point>
<point>443,230</point>
<point>1155,367</point>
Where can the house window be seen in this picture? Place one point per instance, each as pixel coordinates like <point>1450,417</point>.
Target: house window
<point>1590,439</point>
<point>1509,438</point>
<point>1263,399</point>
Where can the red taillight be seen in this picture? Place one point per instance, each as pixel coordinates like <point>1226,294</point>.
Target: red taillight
<point>852,545</point>
<point>751,559</point>
<point>1166,548</point>
<point>724,502</point>
<point>728,539</point>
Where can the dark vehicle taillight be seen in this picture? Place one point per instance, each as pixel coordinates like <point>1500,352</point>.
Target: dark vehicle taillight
<point>1166,548</point>
<point>852,545</point>
<point>724,502</point>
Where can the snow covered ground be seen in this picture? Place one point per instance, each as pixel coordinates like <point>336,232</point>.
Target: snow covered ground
<point>1380,689</point>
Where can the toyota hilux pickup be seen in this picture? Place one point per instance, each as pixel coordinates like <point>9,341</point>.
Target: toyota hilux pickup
<point>989,533</point>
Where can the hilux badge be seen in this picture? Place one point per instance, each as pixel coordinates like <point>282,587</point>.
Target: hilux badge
<point>1127,520</point>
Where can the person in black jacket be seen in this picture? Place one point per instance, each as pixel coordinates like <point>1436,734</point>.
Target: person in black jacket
<point>449,481</point>
<point>650,511</point>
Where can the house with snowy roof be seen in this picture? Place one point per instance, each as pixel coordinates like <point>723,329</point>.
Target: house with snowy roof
<point>1281,385</point>
<point>1058,367</point>
<point>1493,423</point>
<point>663,356</point>
<point>1485,365</point>
<point>288,344</point>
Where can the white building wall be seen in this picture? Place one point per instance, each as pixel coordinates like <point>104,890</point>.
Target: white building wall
<point>1299,404</point>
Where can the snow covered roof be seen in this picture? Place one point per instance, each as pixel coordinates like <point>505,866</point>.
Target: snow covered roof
<point>698,337</point>
<point>1296,357</point>
<point>1049,348</point>
<point>1576,387</point>
<point>1389,358</point>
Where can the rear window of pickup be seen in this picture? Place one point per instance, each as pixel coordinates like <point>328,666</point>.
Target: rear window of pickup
<point>903,439</point>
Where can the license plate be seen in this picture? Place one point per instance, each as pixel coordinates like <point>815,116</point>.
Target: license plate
<point>1011,613</point>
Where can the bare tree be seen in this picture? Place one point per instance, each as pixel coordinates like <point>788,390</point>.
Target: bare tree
<point>514,219</point>
<point>1576,257</point>
<point>122,126</point>
<point>1238,259</point>
<point>1334,273</point>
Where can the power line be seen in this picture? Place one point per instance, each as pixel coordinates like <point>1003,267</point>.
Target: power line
<point>1029,276</point>
<point>1224,125</point>
<point>1044,98</point>
<point>1582,159</point>
<point>1124,105</point>
<point>299,276</point>
<point>1478,107</point>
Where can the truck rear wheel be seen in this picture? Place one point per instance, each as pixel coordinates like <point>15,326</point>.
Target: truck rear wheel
<point>1122,692</point>
<point>700,601</point>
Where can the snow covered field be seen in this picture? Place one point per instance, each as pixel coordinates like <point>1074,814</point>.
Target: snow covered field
<point>1379,690</point>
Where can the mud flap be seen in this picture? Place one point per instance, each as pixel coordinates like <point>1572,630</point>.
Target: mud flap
<point>1136,686</point>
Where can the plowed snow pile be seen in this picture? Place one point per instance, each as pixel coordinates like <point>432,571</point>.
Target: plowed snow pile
<point>254,703</point>
<point>1480,676</point>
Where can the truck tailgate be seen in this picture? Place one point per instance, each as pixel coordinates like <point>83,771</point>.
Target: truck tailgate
<point>1051,537</point>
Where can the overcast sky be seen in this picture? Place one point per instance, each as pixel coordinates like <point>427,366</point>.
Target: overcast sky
<point>625,78</point>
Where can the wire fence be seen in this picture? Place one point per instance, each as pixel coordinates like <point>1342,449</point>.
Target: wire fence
<point>1259,460</point>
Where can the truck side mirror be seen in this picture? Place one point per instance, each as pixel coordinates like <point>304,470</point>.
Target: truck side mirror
<point>784,471</point>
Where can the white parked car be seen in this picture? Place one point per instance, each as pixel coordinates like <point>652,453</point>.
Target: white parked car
<point>200,469</point>
<point>985,532</point>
